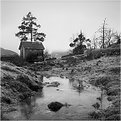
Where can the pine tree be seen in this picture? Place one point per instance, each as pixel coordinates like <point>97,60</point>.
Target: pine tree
<point>78,44</point>
<point>29,28</point>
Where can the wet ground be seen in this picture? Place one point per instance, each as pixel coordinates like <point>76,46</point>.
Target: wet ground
<point>81,98</point>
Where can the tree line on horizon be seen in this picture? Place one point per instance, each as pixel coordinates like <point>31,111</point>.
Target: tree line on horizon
<point>103,38</point>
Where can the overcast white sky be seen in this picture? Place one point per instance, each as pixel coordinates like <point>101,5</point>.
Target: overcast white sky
<point>59,19</point>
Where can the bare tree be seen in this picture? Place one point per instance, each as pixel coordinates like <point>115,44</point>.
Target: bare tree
<point>102,36</point>
<point>109,35</point>
<point>105,36</point>
<point>103,29</point>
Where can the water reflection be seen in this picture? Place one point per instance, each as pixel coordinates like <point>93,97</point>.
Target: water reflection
<point>27,108</point>
<point>28,105</point>
<point>36,107</point>
<point>79,89</point>
<point>76,85</point>
<point>71,80</point>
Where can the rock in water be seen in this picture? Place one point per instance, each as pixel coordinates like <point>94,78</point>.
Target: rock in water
<point>55,106</point>
<point>96,105</point>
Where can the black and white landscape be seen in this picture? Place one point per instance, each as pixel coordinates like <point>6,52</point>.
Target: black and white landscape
<point>60,60</point>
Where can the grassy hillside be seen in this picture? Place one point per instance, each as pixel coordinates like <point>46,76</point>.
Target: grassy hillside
<point>103,72</point>
<point>17,84</point>
<point>100,68</point>
<point>11,56</point>
<point>7,53</point>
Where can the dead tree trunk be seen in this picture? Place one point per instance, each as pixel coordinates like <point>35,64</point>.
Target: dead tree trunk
<point>103,42</point>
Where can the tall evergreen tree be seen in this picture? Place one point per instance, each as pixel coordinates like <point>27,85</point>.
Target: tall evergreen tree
<point>78,44</point>
<point>29,27</point>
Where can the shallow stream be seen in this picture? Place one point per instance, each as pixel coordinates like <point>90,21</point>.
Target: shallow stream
<point>81,100</point>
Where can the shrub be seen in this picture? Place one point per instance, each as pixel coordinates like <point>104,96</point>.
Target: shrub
<point>112,113</point>
<point>115,70</point>
<point>115,90</point>
<point>101,81</point>
<point>111,51</point>
<point>111,98</point>
<point>95,115</point>
<point>95,54</point>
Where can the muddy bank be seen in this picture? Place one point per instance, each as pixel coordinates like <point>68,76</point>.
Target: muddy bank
<point>110,84</point>
<point>17,84</point>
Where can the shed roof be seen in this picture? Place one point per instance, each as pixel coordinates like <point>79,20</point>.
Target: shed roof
<point>32,45</point>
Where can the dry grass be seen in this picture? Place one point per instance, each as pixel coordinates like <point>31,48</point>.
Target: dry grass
<point>16,86</point>
<point>6,68</point>
<point>103,72</point>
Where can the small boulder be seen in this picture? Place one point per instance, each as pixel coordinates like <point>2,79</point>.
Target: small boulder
<point>55,106</point>
<point>99,98</point>
<point>57,89</point>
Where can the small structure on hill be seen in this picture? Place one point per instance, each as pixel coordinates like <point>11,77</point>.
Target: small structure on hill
<point>29,49</point>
